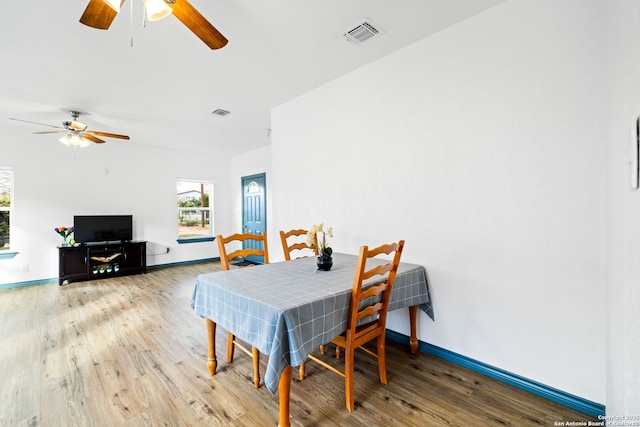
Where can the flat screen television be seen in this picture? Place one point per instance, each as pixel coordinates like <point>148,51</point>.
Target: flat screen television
<point>102,228</point>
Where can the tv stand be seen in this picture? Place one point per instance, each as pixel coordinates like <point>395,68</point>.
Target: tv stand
<point>98,261</point>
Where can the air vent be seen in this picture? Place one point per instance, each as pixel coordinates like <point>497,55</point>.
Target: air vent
<point>219,112</point>
<point>362,32</point>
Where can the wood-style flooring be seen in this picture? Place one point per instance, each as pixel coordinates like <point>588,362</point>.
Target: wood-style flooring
<point>130,351</point>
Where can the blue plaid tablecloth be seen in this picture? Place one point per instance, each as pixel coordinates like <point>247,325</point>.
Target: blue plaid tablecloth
<point>288,309</point>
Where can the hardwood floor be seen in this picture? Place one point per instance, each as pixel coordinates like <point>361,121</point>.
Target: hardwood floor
<point>130,352</point>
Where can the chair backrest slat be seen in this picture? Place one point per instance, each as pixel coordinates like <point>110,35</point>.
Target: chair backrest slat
<point>377,271</point>
<point>370,310</point>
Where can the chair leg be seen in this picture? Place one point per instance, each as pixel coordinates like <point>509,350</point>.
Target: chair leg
<point>230,347</point>
<point>348,377</point>
<point>256,366</point>
<point>301,371</point>
<point>382,363</point>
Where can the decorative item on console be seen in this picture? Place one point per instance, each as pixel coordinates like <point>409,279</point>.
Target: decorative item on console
<point>65,233</point>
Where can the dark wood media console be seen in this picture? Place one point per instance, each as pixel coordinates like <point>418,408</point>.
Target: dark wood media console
<point>100,261</point>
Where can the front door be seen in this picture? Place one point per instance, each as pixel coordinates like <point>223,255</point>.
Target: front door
<point>254,209</point>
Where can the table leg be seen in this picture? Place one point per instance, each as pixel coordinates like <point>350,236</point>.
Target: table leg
<point>284,389</point>
<point>413,341</point>
<point>211,337</point>
<point>255,355</point>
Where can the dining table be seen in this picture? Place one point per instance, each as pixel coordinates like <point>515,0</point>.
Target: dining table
<point>289,309</point>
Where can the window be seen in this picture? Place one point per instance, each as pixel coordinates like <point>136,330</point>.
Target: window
<point>194,202</point>
<point>6,196</point>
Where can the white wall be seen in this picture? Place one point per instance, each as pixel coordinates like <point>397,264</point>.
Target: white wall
<point>623,246</point>
<point>482,147</point>
<point>53,183</point>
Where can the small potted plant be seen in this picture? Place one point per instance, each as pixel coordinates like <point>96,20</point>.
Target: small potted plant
<point>318,235</point>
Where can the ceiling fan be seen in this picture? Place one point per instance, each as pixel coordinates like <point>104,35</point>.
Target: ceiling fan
<point>77,134</point>
<point>100,13</point>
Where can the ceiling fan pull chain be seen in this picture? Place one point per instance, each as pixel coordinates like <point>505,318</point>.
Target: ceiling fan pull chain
<point>144,16</point>
<point>131,21</point>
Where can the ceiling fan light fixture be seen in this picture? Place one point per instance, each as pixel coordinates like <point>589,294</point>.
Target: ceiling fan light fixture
<point>76,125</point>
<point>156,9</point>
<point>74,140</point>
<point>113,4</point>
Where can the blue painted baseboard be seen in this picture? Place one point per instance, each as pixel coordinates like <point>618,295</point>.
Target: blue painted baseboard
<point>27,283</point>
<point>569,400</point>
<point>175,264</point>
<point>151,267</point>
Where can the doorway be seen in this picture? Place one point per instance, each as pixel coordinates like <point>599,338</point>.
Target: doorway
<point>254,210</point>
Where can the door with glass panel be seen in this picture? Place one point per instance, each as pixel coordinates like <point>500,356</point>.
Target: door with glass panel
<point>254,209</point>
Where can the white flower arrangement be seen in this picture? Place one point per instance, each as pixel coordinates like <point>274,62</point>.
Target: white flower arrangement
<point>324,251</point>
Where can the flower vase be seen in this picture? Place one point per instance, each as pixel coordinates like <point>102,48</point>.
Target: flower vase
<point>325,264</point>
<point>66,241</point>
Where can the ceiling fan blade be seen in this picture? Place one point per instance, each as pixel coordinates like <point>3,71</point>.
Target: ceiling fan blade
<point>51,131</point>
<point>98,14</point>
<point>36,123</point>
<point>93,138</point>
<point>108,135</point>
<point>198,24</point>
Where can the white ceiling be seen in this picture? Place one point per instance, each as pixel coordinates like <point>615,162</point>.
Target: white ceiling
<point>162,90</point>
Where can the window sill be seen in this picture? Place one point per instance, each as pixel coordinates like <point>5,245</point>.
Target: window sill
<point>196,240</point>
<point>8,255</point>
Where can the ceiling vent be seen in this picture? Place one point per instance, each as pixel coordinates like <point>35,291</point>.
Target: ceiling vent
<point>220,112</point>
<point>362,32</point>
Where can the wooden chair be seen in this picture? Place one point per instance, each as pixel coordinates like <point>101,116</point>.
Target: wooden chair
<point>298,244</point>
<point>291,242</point>
<point>367,314</point>
<point>253,245</point>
